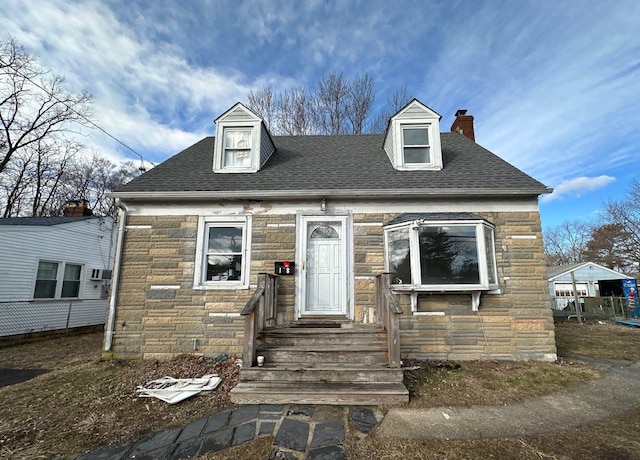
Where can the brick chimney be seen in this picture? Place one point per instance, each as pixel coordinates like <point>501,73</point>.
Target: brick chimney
<point>77,208</point>
<point>463,124</point>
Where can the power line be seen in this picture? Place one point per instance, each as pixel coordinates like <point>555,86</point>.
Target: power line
<point>86,119</point>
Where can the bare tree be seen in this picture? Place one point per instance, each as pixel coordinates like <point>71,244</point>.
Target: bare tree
<point>566,243</point>
<point>294,113</point>
<point>93,177</point>
<point>625,213</point>
<point>34,105</point>
<point>52,163</point>
<point>337,106</point>
<point>331,100</point>
<point>263,103</point>
<point>396,101</point>
<point>360,102</point>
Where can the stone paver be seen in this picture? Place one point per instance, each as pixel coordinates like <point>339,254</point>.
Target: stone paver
<point>362,418</point>
<point>327,433</point>
<point>326,453</point>
<point>293,435</point>
<point>217,422</point>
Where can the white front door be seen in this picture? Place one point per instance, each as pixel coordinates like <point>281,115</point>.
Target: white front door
<point>324,280</point>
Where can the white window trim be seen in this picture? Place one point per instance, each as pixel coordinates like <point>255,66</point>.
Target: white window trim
<point>59,280</point>
<point>435,149</point>
<point>414,245</point>
<point>201,241</point>
<point>218,161</point>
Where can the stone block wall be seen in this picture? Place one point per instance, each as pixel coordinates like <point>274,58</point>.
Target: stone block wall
<point>159,314</point>
<point>516,323</point>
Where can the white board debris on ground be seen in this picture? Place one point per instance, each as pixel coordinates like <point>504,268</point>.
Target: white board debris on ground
<point>172,390</point>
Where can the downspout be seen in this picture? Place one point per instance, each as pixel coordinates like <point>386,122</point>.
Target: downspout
<point>115,278</point>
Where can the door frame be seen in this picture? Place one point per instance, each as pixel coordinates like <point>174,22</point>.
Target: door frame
<point>302,221</point>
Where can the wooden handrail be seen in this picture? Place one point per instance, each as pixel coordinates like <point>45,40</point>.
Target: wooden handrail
<point>253,301</point>
<point>260,310</point>
<point>388,309</point>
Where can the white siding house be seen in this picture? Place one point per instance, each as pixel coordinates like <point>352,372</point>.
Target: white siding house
<point>54,272</point>
<point>587,276</point>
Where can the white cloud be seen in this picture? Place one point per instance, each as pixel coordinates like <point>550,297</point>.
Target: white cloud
<point>578,187</point>
<point>145,93</point>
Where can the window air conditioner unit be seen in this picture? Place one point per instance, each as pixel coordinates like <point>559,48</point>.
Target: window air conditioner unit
<point>98,274</point>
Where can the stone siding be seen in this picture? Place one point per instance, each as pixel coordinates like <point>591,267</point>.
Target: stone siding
<point>516,324</point>
<point>159,313</point>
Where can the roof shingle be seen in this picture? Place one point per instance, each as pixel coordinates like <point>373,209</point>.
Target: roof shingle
<point>347,163</point>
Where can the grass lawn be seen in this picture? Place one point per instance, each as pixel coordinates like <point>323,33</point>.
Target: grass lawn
<point>84,403</point>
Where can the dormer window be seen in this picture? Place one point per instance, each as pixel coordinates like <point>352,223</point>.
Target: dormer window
<point>243,144</point>
<point>415,144</point>
<point>412,140</point>
<point>237,148</point>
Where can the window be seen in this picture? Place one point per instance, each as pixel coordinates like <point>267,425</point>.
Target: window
<point>237,148</point>
<point>221,260</point>
<point>412,140</point>
<point>415,144</point>
<point>441,256</point>
<point>46,280</point>
<point>566,289</point>
<point>50,285</point>
<point>71,281</point>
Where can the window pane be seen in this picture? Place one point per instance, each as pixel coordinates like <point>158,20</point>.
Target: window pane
<point>224,268</point>
<point>224,240</point>
<point>71,281</point>
<point>449,255</point>
<point>47,270</point>
<point>398,255</point>
<point>416,155</point>
<point>237,158</point>
<point>324,232</point>
<point>72,272</point>
<point>45,289</point>
<point>491,263</point>
<point>237,139</point>
<point>415,136</point>
<point>46,280</point>
<point>70,289</point>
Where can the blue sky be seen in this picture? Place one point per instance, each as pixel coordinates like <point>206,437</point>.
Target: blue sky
<point>554,86</point>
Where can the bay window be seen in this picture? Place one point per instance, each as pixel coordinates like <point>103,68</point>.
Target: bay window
<point>432,255</point>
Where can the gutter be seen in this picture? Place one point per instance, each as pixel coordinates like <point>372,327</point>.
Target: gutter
<point>115,278</point>
<point>319,193</point>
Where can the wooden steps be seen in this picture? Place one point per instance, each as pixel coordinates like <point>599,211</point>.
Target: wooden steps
<point>312,364</point>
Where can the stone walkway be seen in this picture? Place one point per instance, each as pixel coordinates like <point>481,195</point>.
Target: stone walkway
<point>317,432</point>
<point>300,432</point>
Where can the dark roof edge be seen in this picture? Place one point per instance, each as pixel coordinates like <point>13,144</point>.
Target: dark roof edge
<point>335,193</point>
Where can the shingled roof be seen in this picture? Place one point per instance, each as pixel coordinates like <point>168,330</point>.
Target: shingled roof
<point>42,221</point>
<point>346,165</point>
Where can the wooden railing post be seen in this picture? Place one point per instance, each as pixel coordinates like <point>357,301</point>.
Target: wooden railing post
<point>393,336</point>
<point>248,348</point>
<point>265,299</point>
<point>387,310</point>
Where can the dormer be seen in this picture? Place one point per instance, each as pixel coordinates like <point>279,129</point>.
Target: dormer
<point>243,143</point>
<point>412,140</point>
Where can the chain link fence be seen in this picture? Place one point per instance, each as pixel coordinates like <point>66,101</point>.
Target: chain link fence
<point>592,307</point>
<point>18,318</point>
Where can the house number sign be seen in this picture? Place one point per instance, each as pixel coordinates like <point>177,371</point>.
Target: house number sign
<point>285,268</point>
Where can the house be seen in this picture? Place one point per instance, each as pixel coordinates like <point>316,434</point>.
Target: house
<point>591,281</point>
<point>53,271</point>
<point>457,229</point>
